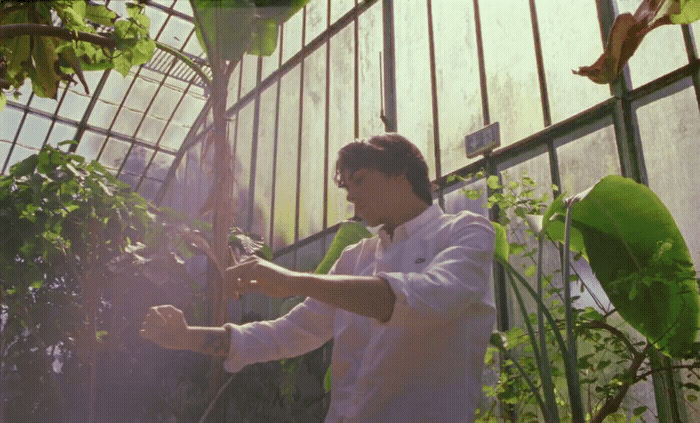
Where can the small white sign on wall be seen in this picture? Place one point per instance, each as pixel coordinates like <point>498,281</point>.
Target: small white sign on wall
<point>483,140</point>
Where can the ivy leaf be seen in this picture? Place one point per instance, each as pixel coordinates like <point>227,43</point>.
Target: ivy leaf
<point>100,15</point>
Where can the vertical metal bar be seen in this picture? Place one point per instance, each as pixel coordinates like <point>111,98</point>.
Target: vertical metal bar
<point>19,129</point>
<point>254,147</point>
<point>55,115</point>
<point>433,89</point>
<point>692,51</point>
<point>629,145</point>
<point>356,70</point>
<point>482,66</point>
<point>326,125</point>
<point>390,123</point>
<point>297,207</point>
<point>541,76</point>
<point>275,142</point>
<point>80,131</point>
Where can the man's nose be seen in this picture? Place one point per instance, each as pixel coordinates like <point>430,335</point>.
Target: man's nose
<point>351,196</point>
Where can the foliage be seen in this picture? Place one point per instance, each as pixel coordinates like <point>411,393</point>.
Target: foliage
<point>640,257</point>
<point>85,36</point>
<point>609,356</point>
<point>82,257</point>
<point>628,31</point>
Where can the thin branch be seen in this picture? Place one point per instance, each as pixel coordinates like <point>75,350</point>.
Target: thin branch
<point>612,404</point>
<point>18,30</point>
<point>599,324</point>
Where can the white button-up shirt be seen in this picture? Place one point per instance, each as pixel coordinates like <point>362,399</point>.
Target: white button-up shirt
<point>425,363</point>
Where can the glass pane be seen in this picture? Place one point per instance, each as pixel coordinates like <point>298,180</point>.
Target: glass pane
<point>316,18</point>
<point>313,145</point>
<point>292,35</point>
<point>10,118</point>
<point>264,165</point>
<point>151,129</point>
<point>61,132</point>
<point>114,153</point>
<point>585,161</point>
<point>115,88</point>
<point>285,189</point>
<point>160,166</point>
<point>340,8</point>
<point>102,114</point>
<point>669,129</point>
<point>511,71</point>
<point>48,105</point>
<point>90,145</point>
<point>370,44</point>
<point>458,89</point>
<point>34,131</point>
<point>242,157</point>
<point>413,93</point>
<point>570,37</point>
<point>165,101</point>
<point>126,121</point>
<point>141,94</point>
<point>137,160</point>
<point>175,33</point>
<point>173,137</point>
<point>341,122</point>
<point>250,73</point>
<point>661,51</point>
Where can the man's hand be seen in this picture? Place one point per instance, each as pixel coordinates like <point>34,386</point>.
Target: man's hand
<point>165,325</point>
<point>260,276</point>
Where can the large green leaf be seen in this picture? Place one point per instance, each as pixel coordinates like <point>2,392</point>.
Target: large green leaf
<point>348,233</point>
<point>641,259</point>
<point>224,27</point>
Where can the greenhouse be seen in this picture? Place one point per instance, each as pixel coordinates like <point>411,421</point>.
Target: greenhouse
<point>161,160</point>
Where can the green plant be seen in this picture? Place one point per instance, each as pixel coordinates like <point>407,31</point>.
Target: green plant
<point>33,46</point>
<point>81,259</point>
<point>564,347</point>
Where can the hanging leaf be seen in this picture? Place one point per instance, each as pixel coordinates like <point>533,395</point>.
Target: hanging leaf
<point>628,30</point>
<point>640,258</point>
<point>501,247</point>
<point>227,24</point>
<point>45,81</point>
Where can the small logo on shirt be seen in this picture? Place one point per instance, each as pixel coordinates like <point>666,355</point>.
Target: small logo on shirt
<point>420,260</point>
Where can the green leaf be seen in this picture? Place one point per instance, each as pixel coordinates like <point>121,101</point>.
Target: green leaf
<point>25,167</point>
<point>501,246</point>
<point>3,100</point>
<point>493,182</point>
<point>348,233</point>
<point>264,37</point>
<point>636,250</point>
<point>99,14</point>
<point>689,12</point>
<point>225,27</point>
<point>45,80</point>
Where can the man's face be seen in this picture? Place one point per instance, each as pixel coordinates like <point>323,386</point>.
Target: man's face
<point>373,193</point>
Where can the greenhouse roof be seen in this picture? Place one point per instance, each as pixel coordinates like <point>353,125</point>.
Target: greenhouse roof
<point>132,125</point>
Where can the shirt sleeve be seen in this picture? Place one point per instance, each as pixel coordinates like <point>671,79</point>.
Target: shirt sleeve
<point>456,281</point>
<point>305,328</point>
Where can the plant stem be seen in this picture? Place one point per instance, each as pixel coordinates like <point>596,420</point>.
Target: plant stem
<point>545,370</point>
<point>17,30</point>
<point>577,413</point>
<point>613,403</point>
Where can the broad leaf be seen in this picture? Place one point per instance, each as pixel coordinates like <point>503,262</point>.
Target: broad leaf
<point>348,233</point>
<point>628,31</point>
<point>641,259</point>
<point>224,27</point>
<point>501,247</point>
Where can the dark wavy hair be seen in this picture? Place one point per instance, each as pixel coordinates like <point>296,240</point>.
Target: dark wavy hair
<point>391,154</point>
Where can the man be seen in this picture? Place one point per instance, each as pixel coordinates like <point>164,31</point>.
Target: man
<point>410,310</point>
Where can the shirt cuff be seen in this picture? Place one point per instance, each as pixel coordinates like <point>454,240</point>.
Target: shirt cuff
<point>234,362</point>
<point>402,311</point>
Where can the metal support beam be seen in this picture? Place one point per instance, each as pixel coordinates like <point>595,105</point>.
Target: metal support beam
<point>390,120</point>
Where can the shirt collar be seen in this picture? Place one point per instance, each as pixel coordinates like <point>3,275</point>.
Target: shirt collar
<point>405,230</point>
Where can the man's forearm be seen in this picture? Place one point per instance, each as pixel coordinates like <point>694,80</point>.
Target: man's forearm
<point>207,340</point>
<point>369,296</point>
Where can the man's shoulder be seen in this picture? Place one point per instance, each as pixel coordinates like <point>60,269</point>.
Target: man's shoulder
<point>464,218</point>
